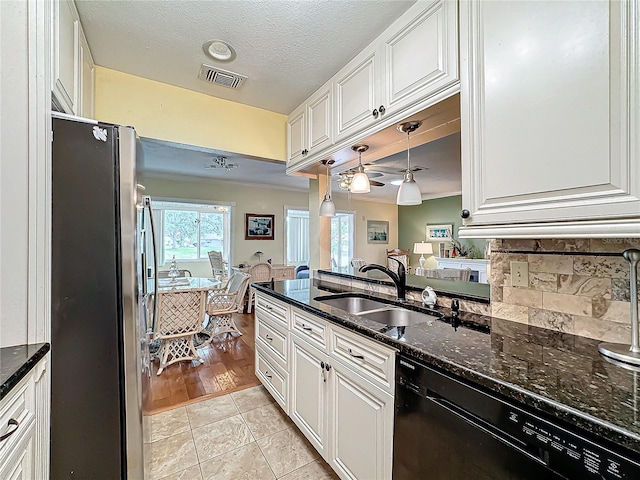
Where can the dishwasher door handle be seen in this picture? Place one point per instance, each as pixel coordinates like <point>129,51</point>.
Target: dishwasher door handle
<point>482,425</point>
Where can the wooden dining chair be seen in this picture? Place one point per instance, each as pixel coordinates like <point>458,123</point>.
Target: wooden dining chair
<point>180,315</point>
<point>260,273</point>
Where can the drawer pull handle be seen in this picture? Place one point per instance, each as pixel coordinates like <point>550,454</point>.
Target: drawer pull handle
<point>268,337</point>
<point>266,374</point>
<point>308,329</point>
<point>355,355</point>
<point>268,307</point>
<point>12,422</point>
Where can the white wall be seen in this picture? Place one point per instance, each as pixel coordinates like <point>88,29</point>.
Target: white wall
<point>257,199</point>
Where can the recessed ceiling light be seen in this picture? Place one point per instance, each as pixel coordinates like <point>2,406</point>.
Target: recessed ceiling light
<point>219,50</point>
<point>396,182</point>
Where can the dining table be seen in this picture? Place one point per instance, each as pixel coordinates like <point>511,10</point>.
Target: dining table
<point>185,283</point>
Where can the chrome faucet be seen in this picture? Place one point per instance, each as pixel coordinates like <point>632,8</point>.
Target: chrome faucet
<point>399,279</point>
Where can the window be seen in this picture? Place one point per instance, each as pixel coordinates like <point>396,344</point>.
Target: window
<point>297,236</point>
<point>342,236</point>
<point>189,231</point>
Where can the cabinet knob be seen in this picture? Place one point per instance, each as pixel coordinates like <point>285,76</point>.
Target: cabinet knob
<point>381,109</point>
<point>375,113</point>
<point>305,151</point>
<point>465,213</point>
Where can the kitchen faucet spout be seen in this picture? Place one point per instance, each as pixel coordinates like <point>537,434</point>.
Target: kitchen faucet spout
<point>399,279</point>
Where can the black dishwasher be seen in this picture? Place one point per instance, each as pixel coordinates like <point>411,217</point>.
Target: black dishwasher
<point>447,429</point>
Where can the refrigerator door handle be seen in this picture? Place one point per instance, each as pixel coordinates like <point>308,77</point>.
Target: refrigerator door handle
<point>154,318</point>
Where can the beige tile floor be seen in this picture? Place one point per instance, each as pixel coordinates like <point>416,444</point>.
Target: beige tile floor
<point>243,435</point>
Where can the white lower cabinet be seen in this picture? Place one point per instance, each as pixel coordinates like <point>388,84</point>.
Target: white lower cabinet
<point>361,427</point>
<point>24,424</point>
<point>309,392</point>
<point>341,402</point>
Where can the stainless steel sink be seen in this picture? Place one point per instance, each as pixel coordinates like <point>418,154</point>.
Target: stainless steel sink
<point>352,304</point>
<point>398,317</point>
<point>376,311</point>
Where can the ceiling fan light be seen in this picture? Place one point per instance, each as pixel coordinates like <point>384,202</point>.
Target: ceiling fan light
<point>409,192</point>
<point>327,207</point>
<point>360,182</point>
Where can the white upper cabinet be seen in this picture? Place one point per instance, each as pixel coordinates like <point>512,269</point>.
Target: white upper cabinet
<point>357,88</point>
<point>72,63</point>
<point>550,108</point>
<point>310,127</point>
<point>65,22</point>
<point>410,66</point>
<point>296,143</point>
<point>420,52</point>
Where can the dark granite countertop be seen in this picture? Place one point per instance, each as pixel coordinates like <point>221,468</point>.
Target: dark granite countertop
<point>561,375</point>
<point>16,362</point>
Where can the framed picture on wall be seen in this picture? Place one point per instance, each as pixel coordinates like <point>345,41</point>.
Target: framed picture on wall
<point>440,233</point>
<point>258,226</point>
<point>377,231</point>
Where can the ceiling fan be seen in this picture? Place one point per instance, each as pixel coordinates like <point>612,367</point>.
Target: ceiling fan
<point>344,179</point>
<point>221,162</point>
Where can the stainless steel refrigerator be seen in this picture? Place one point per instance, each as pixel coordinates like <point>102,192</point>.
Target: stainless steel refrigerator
<point>99,355</point>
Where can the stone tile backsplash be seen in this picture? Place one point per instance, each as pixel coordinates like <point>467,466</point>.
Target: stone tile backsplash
<point>573,287</point>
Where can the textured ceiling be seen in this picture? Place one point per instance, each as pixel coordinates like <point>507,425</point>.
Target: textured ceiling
<point>287,48</point>
<point>440,161</point>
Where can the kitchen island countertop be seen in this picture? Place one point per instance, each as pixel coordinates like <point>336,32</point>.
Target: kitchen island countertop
<point>559,374</point>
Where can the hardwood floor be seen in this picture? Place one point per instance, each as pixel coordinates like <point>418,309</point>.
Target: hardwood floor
<point>228,367</point>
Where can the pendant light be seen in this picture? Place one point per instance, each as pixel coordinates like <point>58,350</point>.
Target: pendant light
<point>360,181</point>
<point>409,192</point>
<point>327,207</point>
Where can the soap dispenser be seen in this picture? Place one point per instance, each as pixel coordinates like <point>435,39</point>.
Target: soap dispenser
<point>429,297</point>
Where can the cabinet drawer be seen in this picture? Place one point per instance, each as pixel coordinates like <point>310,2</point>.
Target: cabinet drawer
<point>371,360</point>
<point>273,309</point>
<point>17,406</point>
<point>274,339</point>
<point>274,378</point>
<point>310,328</point>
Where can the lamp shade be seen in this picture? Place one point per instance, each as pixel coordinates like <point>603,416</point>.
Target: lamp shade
<point>360,183</point>
<point>409,192</point>
<point>423,248</point>
<point>327,207</point>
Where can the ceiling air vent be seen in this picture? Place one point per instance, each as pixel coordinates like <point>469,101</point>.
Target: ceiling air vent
<point>220,77</point>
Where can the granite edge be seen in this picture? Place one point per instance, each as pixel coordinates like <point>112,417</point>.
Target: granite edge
<point>25,368</point>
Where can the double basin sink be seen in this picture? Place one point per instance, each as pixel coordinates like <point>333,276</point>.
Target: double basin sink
<point>376,311</point>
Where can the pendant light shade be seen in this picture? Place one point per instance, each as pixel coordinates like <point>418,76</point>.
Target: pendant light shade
<point>327,207</point>
<point>409,191</point>
<point>360,181</point>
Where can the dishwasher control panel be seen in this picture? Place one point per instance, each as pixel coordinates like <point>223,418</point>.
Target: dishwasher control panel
<point>566,452</point>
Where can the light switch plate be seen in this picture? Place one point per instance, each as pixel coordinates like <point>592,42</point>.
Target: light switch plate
<point>519,274</point>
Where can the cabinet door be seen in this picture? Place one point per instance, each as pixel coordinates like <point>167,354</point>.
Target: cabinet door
<point>549,112</point>
<point>420,53</point>
<point>20,465</point>
<point>361,420</point>
<point>320,119</point>
<point>65,23</point>
<point>85,76</point>
<point>296,135</point>
<point>309,392</point>
<point>356,89</point>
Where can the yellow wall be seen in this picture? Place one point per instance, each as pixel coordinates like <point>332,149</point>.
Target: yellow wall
<point>165,112</point>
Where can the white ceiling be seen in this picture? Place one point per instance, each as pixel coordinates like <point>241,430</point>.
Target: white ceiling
<point>439,159</point>
<point>287,48</point>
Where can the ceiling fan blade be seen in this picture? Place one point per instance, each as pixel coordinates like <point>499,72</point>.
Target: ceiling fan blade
<point>375,183</point>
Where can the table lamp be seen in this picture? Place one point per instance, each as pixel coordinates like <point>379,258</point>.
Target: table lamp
<point>422,248</point>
